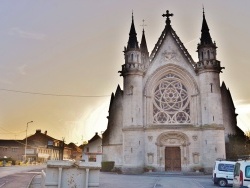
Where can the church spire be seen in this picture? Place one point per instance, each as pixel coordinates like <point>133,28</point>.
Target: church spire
<point>207,52</point>
<point>205,35</point>
<point>132,41</point>
<point>144,49</point>
<point>143,45</point>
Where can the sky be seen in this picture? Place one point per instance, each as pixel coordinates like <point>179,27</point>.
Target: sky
<point>59,59</point>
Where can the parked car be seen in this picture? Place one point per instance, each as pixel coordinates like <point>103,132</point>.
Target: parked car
<point>242,174</point>
<point>223,172</point>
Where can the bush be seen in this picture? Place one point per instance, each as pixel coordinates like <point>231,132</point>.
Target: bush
<point>149,169</point>
<point>8,160</point>
<point>117,170</point>
<point>107,166</point>
<point>198,168</point>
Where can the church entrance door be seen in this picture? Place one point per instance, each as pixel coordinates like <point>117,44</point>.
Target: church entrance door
<point>172,159</point>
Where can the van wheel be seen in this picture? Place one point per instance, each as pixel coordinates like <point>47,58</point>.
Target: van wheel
<point>222,183</point>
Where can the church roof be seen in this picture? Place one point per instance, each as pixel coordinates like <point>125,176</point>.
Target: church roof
<point>226,91</point>
<point>132,41</point>
<point>205,35</point>
<point>113,96</point>
<point>169,30</point>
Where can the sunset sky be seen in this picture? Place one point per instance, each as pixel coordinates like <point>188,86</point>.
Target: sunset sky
<point>59,59</point>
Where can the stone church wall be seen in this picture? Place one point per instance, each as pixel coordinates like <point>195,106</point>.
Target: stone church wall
<point>133,151</point>
<point>213,147</point>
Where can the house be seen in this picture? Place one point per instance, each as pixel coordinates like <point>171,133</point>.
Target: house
<point>40,148</point>
<point>92,151</point>
<point>75,151</point>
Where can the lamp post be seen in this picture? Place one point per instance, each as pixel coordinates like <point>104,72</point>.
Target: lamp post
<point>26,141</point>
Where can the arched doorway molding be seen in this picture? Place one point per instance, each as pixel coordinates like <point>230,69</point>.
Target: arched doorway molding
<point>172,139</point>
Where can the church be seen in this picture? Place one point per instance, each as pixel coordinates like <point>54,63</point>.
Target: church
<point>173,113</point>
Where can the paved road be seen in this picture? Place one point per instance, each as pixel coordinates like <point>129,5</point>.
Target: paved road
<point>18,176</point>
<point>149,181</point>
<point>18,180</point>
<point>109,180</point>
<point>8,170</point>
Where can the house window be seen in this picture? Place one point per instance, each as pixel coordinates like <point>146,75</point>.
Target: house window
<point>13,149</point>
<point>92,158</point>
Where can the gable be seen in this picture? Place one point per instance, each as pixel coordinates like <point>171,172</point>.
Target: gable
<point>170,50</point>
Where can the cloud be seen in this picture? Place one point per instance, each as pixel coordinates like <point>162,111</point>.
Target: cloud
<point>21,69</point>
<point>25,34</point>
<point>6,82</point>
<point>243,108</point>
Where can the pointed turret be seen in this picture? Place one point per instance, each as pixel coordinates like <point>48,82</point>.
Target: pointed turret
<point>132,54</point>
<point>118,90</point>
<point>207,51</point>
<point>208,69</point>
<point>144,49</point>
<point>132,41</point>
<point>143,45</point>
<point>205,35</point>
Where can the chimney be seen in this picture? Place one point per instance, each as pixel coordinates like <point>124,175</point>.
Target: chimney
<point>45,132</point>
<point>38,131</point>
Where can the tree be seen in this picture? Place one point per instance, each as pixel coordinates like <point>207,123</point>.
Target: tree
<point>238,146</point>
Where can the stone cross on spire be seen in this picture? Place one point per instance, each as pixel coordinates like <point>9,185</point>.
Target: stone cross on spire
<point>143,24</point>
<point>167,15</point>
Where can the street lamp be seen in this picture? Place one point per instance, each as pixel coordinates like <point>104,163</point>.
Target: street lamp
<point>26,141</point>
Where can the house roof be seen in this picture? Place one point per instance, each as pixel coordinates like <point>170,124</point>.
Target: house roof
<point>39,138</point>
<point>12,143</point>
<point>94,138</point>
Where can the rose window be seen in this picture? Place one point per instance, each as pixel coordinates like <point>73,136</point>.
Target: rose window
<point>171,101</point>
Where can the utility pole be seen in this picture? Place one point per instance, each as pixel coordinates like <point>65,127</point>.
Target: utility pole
<point>25,154</point>
<point>61,148</point>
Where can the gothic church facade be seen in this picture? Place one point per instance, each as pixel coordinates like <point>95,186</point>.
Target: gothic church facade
<point>173,113</point>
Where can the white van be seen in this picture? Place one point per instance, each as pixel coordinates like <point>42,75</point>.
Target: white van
<point>242,174</point>
<point>223,173</point>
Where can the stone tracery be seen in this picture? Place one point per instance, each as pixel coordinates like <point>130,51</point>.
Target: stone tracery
<point>171,102</point>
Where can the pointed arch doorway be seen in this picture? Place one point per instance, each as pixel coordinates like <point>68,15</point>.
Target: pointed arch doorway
<point>172,159</point>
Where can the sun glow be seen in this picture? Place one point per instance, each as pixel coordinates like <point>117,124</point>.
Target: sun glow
<point>244,116</point>
<point>95,121</point>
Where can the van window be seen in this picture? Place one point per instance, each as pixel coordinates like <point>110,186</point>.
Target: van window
<point>226,167</point>
<point>237,169</point>
<point>247,171</point>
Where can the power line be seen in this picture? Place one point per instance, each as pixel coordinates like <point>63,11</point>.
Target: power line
<point>54,95</point>
<point>9,132</point>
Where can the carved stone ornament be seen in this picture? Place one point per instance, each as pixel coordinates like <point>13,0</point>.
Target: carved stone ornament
<point>150,138</point>
<point>195,137</point>
<point>170,55</point>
